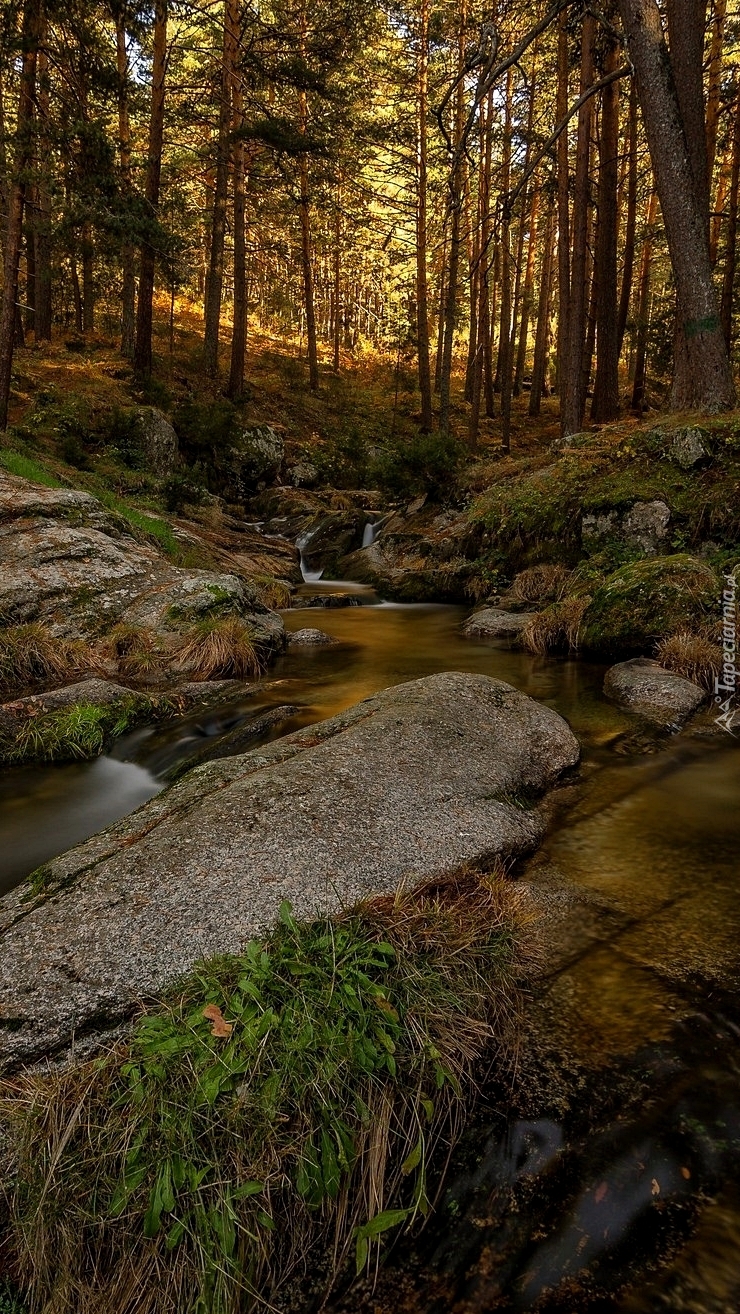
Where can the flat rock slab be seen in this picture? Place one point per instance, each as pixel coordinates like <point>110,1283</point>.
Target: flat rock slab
<point>494,624</point>
<point>408,784</point>
<point>650,689</point>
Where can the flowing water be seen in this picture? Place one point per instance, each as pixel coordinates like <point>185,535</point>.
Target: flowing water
<point>624,1134</point>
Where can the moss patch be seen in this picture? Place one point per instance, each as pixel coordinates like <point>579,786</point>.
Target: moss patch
<point>648,600</point>
<point>286,1106</point>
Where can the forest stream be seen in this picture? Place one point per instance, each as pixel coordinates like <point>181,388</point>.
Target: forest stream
<point>623,1138</point>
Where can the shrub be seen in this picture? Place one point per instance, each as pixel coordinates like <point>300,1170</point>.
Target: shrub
<point>427,463</point>
<point>122,436</point>
<point>274,1109</point>
<point>206,432</point>
<point>219,649</point>
<point>185,488</point>
<point>649,600</point>
<point>556,629</point>
<point>691,655</point>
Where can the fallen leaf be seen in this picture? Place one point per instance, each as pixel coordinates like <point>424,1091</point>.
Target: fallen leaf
<point>600,1192</point>
<point>220,1026</point>
<point>686,1174</point>
<point>655,1187</point>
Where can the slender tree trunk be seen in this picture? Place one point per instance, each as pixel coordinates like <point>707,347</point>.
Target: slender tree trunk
<point>337,289</point>
<point>631,220</point>
<point>441,302</point>
<point>482,359</point>
<point>238,156</point>
<point>543,317</point>
<point>728,280</point>
<point>505,330</point>
<point>643,305</point>
<point>31,33</point>
<point>42,317</point>
<point>703,379</point>
<point>422,292</point>
<point>715,225</point>
<point>215,274</point>
<point>521,359</point>
<point>573,403</point>
<point>563,174</point>
<point>455,206</point>
<point>88,280</point>
<point>605,405</point>
<point>128,290</point>
<point>31,204</point>
<point>143,349</point>
<point>714,82</point>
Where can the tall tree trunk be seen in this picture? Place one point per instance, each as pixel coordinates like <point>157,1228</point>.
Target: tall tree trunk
<point>128,290</point>
<point>215,274</point>
<point>643,305</point>
<point>563,174</point>
<point>31,33</point>
<point>88,280</point>
<point>422,291</point>
<point>30,296</point>
<point>728,280</point>
<point>337,289</point>
<point>714,82</point>
<point>703,379</point>
<point>521,359</point>
<point>42,316</point>
<point>543,317</point>
<point>504,364</point>
<point>455,207</point>
<point>574,400</point>
<point>143,348</point>
<point>482,359</point>
<point>239,167</point>
<point>631,220</point>
<point>605,405</point>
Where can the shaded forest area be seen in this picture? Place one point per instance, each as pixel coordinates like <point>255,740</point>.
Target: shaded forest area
<point>509,200</point>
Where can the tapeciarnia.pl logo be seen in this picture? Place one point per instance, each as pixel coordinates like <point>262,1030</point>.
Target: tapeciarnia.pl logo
<point>725,684</point>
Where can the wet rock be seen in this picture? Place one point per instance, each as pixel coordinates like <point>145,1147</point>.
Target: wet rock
<point>67,562</point>
<point>259,456</point>
<point>689,448</point>
<point>648,688</point>
<point>408,784</point>
<point>494,624</point>
<point>309,638</point>
<point>330,600</point>
<point>239,740</point>
<point>158,441</point>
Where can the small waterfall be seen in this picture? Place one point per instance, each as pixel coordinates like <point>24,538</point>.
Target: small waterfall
<point>370,533</point>
<point>302,542</point>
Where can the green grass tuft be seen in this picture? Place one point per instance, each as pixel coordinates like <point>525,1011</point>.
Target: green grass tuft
<point>68,734</point>
<point>282,1108</point>
<point>25,468</point>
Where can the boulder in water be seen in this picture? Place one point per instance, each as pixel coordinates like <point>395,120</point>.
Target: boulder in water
<point>407,785</point>
<point>650,689</point>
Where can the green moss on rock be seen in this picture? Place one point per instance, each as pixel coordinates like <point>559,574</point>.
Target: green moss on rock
<point>647,600</point>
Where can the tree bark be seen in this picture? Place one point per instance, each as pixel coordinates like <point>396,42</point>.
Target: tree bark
<point>128,290</point>
<point>702,379</point>
<point>563,174</point>
<point>728,279</point>
<point>628,267</point>
<point>239,167</point>
<point>643,305</point>
<point>455,206</point>
<point>574,399</point>
<point>543,318</point>
<point>43,309</point>
<point>422,290</point>
<point>605,405</point>
<point>143,348</point>
<point>31,33</point>
<point>215,274</point>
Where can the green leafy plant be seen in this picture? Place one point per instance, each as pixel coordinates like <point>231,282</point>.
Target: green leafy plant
<point>282,1106</point>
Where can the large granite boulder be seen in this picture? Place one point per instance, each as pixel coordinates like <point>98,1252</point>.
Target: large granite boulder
<point>656,693</point>
<point>158,441</point>
<point>408,784</point>
<point>68,562</point>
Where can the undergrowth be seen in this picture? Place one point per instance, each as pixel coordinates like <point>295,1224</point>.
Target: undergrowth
<point>68,734</point>
<point>30,653</point>
<point>25,468</point>
<point>279,1110</point>
<point>219,648</point>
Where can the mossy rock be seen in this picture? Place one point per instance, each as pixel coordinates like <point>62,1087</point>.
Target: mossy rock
<point>647,600</point>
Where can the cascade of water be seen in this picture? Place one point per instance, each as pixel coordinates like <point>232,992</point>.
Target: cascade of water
<point>302,542</point>
<point>370,533</point>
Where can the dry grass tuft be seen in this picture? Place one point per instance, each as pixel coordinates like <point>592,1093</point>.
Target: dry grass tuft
<point>556,629</point>
<point>219,649</point>
<point>277,594</point>
<point>137,652</point>
<point>279,1108</point>
<point>29,655</point>
<point>691,655</point>
<point>541,584</point>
